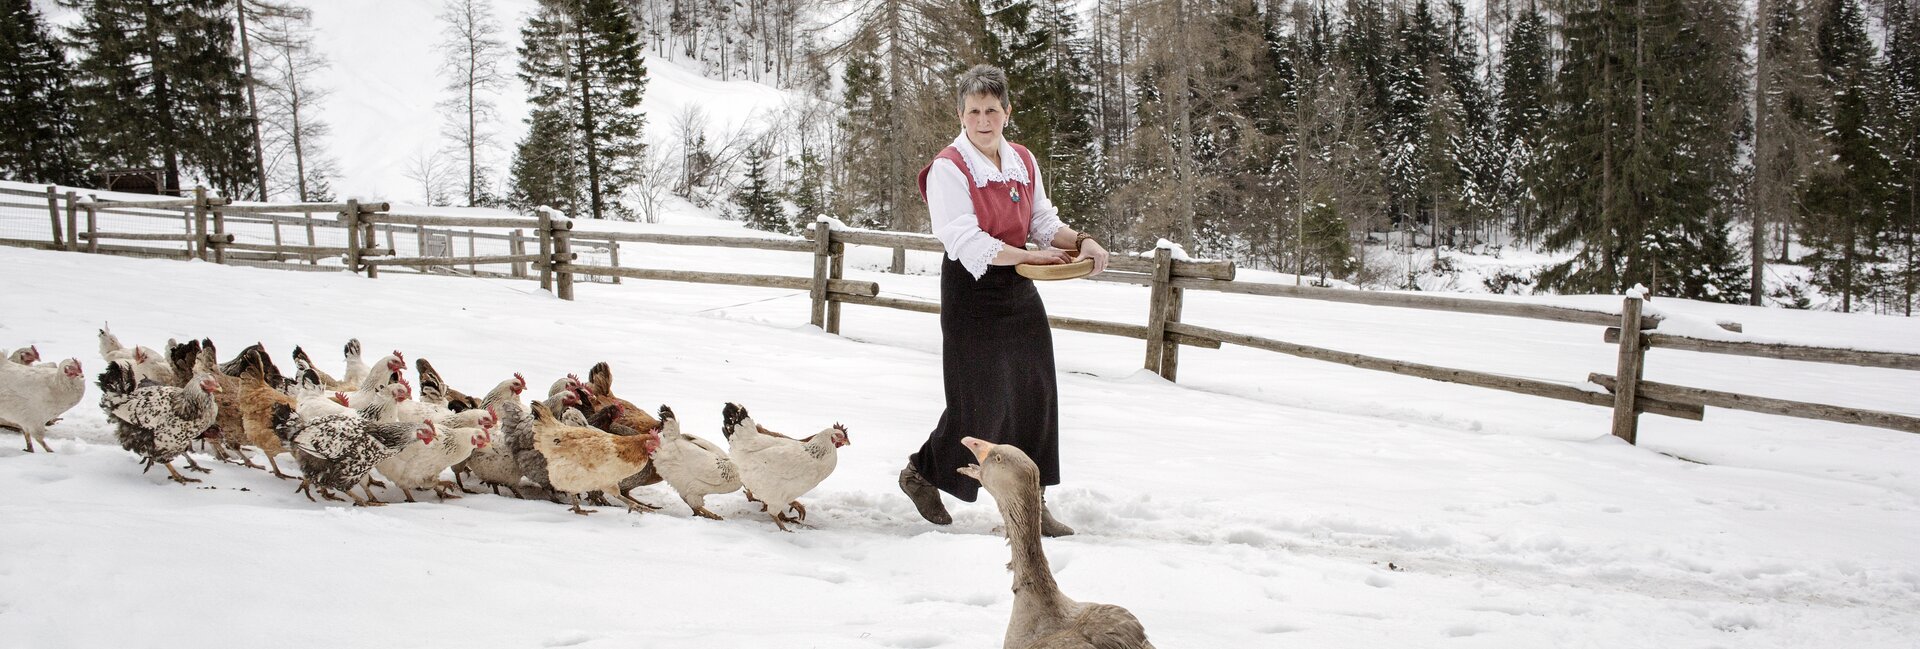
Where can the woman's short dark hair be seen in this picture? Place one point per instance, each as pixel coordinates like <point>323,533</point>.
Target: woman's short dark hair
<point>983,79</point>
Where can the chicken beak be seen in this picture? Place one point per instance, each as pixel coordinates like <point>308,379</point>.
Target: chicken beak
<point>980,447</point>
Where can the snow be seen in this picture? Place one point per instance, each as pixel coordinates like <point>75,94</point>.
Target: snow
<point>1261,500</point>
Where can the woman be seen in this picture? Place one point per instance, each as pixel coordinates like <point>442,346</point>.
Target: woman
<point>987,201</point>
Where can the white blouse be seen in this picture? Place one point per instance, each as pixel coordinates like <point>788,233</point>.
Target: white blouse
<point>950,204</point>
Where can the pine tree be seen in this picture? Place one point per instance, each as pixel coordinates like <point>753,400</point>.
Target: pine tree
<point>1525,86</point>
<point>1035,42</point>
<point>1785,144</point>
<point>1902,124</point>
<point>581,61</point>
<point>1848,194</point>
<point>160,80</point>
<point>758,203</point>
<point>546,171</point>
<point>808,189</point>
<point>1642,154</point>
<point>36,103</point>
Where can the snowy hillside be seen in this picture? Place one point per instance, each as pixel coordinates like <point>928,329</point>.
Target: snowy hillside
<point>1262,501</point>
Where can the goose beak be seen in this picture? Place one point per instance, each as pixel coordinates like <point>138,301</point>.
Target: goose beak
<point>980,447</point>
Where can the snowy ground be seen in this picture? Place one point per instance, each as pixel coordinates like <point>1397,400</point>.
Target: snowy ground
<point>1261,501</point>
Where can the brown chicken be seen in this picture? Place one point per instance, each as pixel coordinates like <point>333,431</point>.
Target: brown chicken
<point>600,379</point>
<point>582,459</point>
<point>256,402</point>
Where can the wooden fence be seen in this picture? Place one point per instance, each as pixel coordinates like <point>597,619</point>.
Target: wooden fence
<point>1166,278</point>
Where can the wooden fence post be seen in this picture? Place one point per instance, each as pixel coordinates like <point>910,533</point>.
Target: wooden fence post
<point>822,262</point>
<point>200,219</point>
<point>351,218</point>
<point>390,245</point>
<point>1626,389</point>
<point>839,252</point>
<point>563,257</point>
<point>613,257</point>
<point>277,251</point>
<point>73,221</point>
<point>472,268</point>
<point>93,227</point>
<point>546,250</point>
<point>517,246</point>
<point>219,241</point>
<point>53,212</point>
<point>899,261</point>
<point>1158,308</point>
<point>1170,353</point>
<point>312,259</point>
<point>419,240</point>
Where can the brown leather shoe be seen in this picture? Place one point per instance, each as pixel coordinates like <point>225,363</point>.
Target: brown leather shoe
<point>925,496</point>
<point>1050,526</point>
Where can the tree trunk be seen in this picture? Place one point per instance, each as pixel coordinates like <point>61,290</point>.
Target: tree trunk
<point>253,105</point>
<point>1759,189</point>
<point>163,103</point>
<point>588,128</point>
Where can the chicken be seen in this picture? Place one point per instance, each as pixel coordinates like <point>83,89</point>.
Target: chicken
<point>600,379</point>
<point>777,470</point>
<point>494,466</point>
<point>227,425</point>
<point>148,365</point>
<point>434,389</point>
<point>517,429</point>
<point>394,364</point>
<point>32,397</point>
<point>336,451</point>
<point>25,355</point>
<point>582,459</point>
<point>304,363</point>
<point>256,403</point>
<point>418,466</point>
<point>157,422</point>
<point>182,357</point>
<point>356,368</point>
<point>694,467</point>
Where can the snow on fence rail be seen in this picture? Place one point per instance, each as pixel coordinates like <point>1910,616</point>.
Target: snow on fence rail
<point>205,230</point>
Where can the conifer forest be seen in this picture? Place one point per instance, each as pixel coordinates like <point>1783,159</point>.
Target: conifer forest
<point>1690,146</point>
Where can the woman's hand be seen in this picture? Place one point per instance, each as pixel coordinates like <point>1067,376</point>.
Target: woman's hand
<point>1090,249</point>
<point>1047,257</point>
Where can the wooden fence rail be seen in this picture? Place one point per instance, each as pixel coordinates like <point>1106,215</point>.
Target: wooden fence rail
<point>207,221</point>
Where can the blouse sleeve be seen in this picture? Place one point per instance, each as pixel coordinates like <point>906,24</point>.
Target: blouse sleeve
<point>950,206</point>
<point>1046,218</point>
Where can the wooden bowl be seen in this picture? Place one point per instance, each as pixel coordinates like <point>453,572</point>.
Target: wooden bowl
<point>1049,272</point>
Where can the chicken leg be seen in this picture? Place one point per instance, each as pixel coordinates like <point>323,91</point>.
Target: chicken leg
<point>276,469</point>
<point>635,505</point>
<point>43,442</point>
<point>444,490</point>
<point>703,512</point>
<point>191,465</point>
<point>802,509</point>
<point>576,506</point>
<point>175,475</point>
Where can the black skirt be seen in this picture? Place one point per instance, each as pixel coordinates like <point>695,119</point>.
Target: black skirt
<point>997,353</point>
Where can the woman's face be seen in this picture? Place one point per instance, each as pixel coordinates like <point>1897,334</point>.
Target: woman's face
<point>983,119</point>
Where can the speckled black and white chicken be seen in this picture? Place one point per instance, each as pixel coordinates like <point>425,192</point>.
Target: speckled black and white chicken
<point>336,451</point>
<point>157,422</point>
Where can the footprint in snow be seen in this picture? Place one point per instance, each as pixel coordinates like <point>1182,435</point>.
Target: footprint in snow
<point>568,639</point>
<point>1378,581</point>
<point>1278,628</point>
<point>922,641</point>
<point>1463,630</point>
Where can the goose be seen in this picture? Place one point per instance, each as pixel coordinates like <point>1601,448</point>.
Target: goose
<point>1043,617</point>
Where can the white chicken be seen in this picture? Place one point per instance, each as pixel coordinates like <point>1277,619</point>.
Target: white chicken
<point>148,365</point>
<point>694,467</point>
<point>32,397</point>
<point>419,464</point>
<point>25,355</point>
<point>777,470</point>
